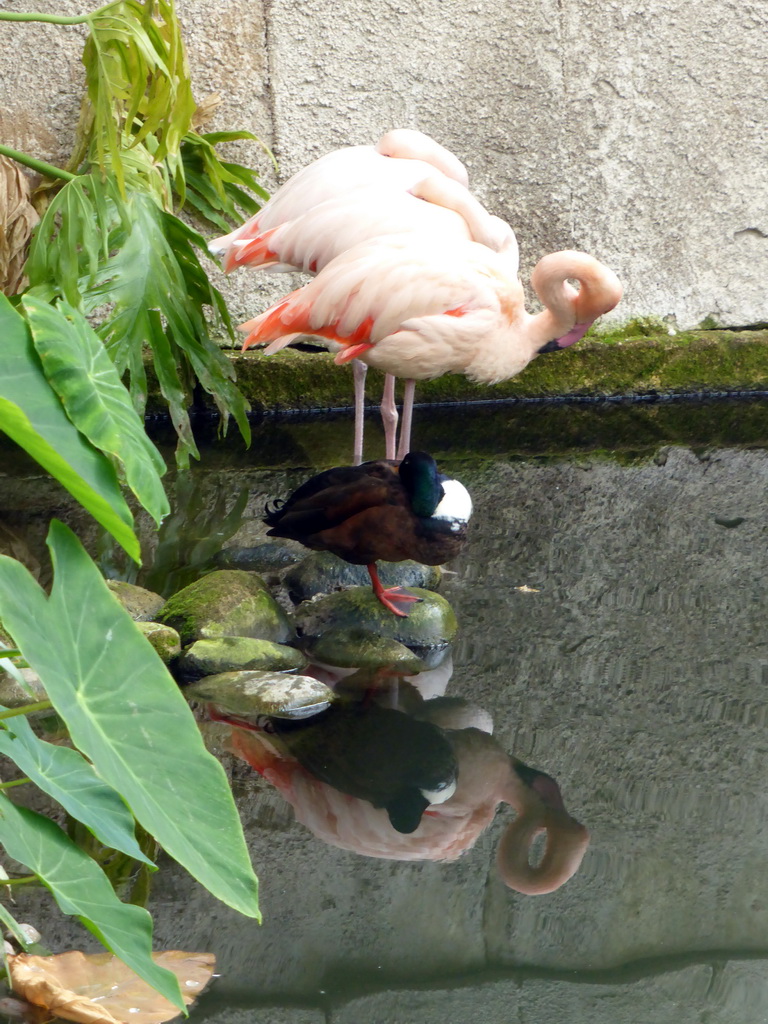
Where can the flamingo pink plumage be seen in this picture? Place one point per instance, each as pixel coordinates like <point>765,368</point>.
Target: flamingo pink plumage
<point>487,776</point>
<point>417,309</point>
<point>436,209</point>
<point>400,160</point>
<point>405,183</point>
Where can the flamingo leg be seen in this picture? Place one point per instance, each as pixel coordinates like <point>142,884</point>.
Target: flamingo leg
<point>389,416</point>
<point>359,370</point>
<point>405,427</point>
<point>391,596</point>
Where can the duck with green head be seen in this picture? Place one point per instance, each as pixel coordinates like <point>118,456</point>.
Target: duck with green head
<point>384,510</point>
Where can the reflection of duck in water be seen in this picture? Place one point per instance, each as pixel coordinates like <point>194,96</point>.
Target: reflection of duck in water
<point>378,511</point>
<point>379,755</point>
<point>487,776</point>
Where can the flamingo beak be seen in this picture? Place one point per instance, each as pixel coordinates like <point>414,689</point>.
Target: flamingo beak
<point>575,334</point>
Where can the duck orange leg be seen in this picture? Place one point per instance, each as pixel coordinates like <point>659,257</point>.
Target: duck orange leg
<point>391,596</point>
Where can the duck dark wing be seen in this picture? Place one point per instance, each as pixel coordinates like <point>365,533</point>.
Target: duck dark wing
<point>330,498</point>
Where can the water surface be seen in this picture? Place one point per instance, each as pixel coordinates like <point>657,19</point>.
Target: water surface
<point>632,667</point>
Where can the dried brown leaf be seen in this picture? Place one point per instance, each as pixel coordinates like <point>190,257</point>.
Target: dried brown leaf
<point>205,110</point>
<point>100,989</point>
<point>17,219</point>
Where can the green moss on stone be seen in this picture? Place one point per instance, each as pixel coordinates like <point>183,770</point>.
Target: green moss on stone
<point>638,327</point>
<point>430,623</point>
<point>638,357</point>
<point>238,653</point>
<point>164,639</point>
<point>227,602</point>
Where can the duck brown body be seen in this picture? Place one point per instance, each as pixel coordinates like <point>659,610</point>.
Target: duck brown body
<point>364,514</point>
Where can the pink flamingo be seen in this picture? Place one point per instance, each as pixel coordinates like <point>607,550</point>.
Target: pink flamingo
<point>400,160</point>
<point>417,309</point>
<point>487,776</point>
<point>405,183</point>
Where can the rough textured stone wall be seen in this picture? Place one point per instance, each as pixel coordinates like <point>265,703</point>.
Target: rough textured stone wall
<point>634,131</point>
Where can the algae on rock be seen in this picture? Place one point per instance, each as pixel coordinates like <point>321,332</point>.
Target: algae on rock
<point>226,602</point>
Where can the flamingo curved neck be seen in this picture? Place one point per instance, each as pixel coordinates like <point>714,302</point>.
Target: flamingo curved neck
<point>567,308</point>
<point>407,143</point>
<point>566,843</point>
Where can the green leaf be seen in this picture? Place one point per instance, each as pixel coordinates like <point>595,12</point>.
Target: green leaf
<point>32,415</point>
<point>155,270</point>
<point>85,379</point>
<point>13,926</point>
<point>138,81</point>
<point>126,714</point>
<point>137,267</point>
<point>214,187</point>
<point>81,888</point>
<point>66,776</point>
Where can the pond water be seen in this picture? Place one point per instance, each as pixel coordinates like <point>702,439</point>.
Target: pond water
<point>612,617</point>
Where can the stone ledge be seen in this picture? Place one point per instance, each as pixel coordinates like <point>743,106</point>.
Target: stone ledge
<point>707,362</point>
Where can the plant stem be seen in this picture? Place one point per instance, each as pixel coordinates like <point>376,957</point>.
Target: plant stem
<point>24,880</point>
<point>52,19</point>
<point>36,165</point>
<point>10,785</point>
<point>27,709</point>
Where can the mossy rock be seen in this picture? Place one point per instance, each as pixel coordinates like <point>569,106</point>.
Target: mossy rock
<point>361,649</point>
<point>323,573</point>
<point>280,695</point>
<point>237,654</point>
<point>227,602</point>
<point>142,605</point>
<point>164,639</point>
<point>430,623</point>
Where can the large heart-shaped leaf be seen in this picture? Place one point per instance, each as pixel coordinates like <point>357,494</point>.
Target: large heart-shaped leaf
<point>126,714</point>
<point>66,776</point>
<point>32,415</point>
<point>84,377</point>
<point>81,888</point>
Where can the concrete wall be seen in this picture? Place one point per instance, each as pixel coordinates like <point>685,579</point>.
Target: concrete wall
<point>630,129</point>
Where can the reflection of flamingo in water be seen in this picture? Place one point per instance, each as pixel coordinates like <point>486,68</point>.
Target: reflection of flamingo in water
<point>487,776</point>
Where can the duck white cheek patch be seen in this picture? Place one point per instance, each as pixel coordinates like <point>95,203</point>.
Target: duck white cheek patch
<point>456,503</point>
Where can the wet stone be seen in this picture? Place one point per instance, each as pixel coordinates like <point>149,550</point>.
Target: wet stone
<point>142,605</point>
<point>267,557</point>
<point>262,693</point>
<point>227,602</point>
<point>359,648</point>
<point>164,639</point>
<point>430,622</point>
<point>235,654</point>
<point>323,573</point>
